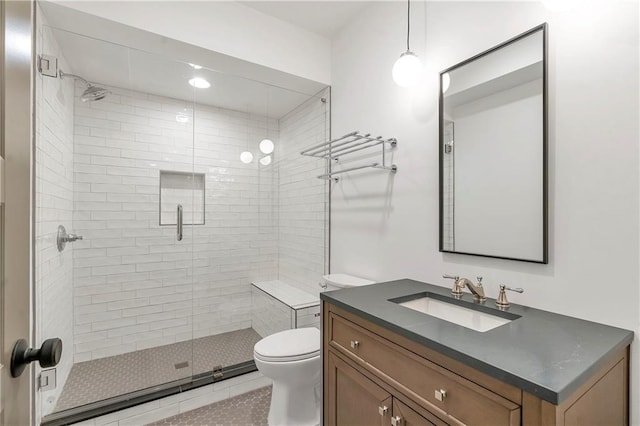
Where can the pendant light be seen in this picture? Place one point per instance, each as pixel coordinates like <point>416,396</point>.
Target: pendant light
<point>266,144</point>
<point>406,70</point>
<point>246,156</point>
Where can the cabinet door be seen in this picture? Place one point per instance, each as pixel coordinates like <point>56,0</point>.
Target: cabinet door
<point>355,400</point>
<point>403,415</point>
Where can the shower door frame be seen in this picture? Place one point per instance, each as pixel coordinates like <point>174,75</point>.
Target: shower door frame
<point>17,33</point>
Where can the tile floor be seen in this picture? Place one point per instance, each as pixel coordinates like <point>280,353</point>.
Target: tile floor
<point>104,378</point>
<point>248,409</point>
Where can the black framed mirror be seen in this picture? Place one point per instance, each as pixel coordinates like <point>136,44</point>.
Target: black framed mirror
<point>493,152</point>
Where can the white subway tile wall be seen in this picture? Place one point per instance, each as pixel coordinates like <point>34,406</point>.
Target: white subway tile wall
<point>54,206</point>
<point>135,285</point>
<point>303,209</point>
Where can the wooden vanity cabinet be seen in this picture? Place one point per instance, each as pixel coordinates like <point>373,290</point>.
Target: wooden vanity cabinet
<point>373,376</point>
<point>363,402</point>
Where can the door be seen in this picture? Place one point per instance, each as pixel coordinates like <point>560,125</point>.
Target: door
<point>118,289</point>
<point>355,400</point>
<point>16,148</point>
<point>406,416</point>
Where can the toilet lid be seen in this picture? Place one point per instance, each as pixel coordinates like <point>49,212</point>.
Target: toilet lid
<point>289,345</point>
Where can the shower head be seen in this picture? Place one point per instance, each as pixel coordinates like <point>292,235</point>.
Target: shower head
<point>92,92</point>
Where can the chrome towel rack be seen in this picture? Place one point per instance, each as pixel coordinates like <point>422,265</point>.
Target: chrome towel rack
<point>352,142</point>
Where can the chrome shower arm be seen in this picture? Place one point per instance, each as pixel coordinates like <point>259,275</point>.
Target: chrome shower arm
<point>64,74</point>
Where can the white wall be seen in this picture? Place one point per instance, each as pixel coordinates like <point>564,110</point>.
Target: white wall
<point>386,227</point>
<point>54,206</point>
<point>135,286</point>
<point>227,27</point>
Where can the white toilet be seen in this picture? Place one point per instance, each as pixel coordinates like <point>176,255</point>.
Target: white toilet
<point>291,359</point>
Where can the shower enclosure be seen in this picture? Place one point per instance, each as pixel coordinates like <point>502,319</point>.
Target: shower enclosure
<point>172,207</point>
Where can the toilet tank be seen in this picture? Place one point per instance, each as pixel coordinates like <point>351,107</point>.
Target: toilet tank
<point>339,281</point>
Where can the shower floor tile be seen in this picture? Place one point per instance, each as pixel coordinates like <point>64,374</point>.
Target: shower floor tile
<point>104,378</point>
<point>248,409</point>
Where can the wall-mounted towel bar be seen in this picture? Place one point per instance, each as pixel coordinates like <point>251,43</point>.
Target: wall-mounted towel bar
<point>348,144</point>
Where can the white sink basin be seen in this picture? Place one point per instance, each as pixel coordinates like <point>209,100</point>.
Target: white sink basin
<point>469,318</point>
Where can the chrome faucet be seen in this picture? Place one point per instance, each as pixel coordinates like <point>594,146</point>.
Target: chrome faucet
<point>460,283</point>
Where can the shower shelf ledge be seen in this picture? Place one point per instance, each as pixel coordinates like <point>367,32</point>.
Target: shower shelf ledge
<point>352,142</point>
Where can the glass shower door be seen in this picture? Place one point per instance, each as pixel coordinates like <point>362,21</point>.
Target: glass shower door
<point>114,173</point>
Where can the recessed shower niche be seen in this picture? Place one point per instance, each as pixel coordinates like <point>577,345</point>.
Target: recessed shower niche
<point>181,194</point>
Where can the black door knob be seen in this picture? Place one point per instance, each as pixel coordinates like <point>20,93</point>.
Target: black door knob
<point>47,356</point>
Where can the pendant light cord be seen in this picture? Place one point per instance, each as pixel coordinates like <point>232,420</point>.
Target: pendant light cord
<point>408,22</point>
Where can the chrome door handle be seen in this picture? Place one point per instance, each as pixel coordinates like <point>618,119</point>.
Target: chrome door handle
<point>179,223</point>
<point>355,344</point>
<point>396,421</point>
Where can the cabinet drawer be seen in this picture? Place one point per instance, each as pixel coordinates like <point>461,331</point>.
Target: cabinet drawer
<point>439,390</point>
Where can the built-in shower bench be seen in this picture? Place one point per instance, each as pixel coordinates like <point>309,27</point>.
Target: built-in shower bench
<point>278,306</point>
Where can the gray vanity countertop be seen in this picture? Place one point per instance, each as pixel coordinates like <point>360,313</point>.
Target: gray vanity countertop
<point>546,354</point>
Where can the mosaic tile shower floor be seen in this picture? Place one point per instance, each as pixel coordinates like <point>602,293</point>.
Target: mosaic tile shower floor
<point>104,378</point>
<point>248,409</point>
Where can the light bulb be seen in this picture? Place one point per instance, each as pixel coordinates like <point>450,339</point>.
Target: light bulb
<point>406,70</point>
<point>265,161</point>
<point>266,146</point>
<point>446,82</point>
<point>246,157</point>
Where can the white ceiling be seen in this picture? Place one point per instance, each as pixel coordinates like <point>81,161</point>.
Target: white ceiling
<point>112,64</point>
<point>324,18</point>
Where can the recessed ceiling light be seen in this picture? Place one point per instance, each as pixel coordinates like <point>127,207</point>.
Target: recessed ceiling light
<point>182,118</point>
<point>199,83</point>
<point>194,66</point>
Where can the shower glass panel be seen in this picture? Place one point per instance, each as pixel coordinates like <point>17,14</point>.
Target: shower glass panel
<point>182,203</point>
<point>240,241</point>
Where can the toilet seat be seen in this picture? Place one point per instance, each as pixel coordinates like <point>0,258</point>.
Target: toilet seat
<point>290,345</point>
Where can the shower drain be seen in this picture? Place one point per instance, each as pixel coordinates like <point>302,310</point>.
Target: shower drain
<point>181,365</point>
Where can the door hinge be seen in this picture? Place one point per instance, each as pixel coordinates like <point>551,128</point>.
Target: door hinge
<point>47,380</point>
<point>48,65</point>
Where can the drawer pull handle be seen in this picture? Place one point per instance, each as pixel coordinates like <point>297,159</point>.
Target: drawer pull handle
<point>441,394</point>
<point>396,421</point>
<point>355,344</point>
<point>383,410</point>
